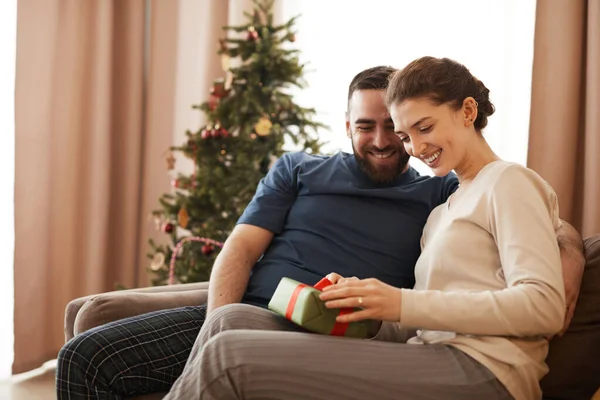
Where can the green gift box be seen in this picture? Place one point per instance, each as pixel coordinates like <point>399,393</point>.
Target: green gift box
<point>300,304</point>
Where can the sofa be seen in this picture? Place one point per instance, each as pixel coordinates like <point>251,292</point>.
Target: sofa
<point>573,359</point>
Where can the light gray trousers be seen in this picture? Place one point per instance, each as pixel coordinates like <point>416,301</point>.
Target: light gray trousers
<point>246,352</point>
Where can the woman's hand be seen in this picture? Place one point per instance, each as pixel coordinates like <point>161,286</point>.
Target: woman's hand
<point>378,300</point>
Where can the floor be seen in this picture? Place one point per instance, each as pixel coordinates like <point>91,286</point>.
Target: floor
<point>34,385</point>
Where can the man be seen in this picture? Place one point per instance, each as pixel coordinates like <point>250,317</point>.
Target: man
<point>359,215</point>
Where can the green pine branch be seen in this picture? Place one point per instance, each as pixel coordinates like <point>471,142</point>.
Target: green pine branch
<point>247,124</point>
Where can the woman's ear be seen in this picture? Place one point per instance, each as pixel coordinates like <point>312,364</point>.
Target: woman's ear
<point>469,109</point>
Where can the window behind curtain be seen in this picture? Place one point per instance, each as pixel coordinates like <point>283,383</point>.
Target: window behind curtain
<point>494,39</point>
<point>8,42</point>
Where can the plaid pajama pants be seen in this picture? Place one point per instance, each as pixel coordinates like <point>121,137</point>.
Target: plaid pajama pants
<point>142,354</point>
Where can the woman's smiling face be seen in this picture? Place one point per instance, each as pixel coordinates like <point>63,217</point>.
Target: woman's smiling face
<point>436,134</point>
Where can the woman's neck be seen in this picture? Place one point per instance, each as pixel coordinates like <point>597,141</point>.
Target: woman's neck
<point>477,157</point>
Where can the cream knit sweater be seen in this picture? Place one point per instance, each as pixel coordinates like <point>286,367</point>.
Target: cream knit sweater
<point>489,279</point>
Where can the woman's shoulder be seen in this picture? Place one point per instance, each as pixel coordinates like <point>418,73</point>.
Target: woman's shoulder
<point>511,181</point>
<point>508,174</point>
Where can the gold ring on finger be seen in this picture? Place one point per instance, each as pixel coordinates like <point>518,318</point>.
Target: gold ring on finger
<point>360,301</point>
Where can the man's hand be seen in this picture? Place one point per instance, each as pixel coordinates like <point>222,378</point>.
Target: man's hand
<point>572,274</point>
<point>337,278</point>
<point>573,264</point>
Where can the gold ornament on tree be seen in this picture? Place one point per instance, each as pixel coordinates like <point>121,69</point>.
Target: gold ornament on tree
<point>158,261</point>
<point>228,80</point>
<point>263,126</point>
<point>225,62</point>
<point>183,218</point>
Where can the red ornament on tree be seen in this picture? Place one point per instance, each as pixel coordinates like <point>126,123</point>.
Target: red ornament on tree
<point>168,227</point>
<point>252,34</point>
<point>218,90</point>
<point>218,131</point>
<point>208,249</point>
<point>178,184</point>
<point>206,133</point>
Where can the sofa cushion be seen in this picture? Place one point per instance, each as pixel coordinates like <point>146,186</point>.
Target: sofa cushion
<point>114,306</point>
<point>574,358</point>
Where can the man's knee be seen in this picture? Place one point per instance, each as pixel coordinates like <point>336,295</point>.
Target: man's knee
<point>220,367</point>
<point>220,351</point>
<point>82,346</point>
<point>78,361</point>
<point>80,369</point>
<point>235,316</point>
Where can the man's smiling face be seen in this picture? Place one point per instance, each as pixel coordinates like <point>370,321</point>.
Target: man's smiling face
<point>378,150</point>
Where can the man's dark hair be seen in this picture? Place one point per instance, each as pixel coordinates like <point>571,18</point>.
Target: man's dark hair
<point>372,78</point>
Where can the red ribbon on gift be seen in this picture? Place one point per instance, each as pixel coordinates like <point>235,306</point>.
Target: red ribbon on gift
<point>339,329</point>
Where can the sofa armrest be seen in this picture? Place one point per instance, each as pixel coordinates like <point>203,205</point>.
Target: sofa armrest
<point>87,312</point>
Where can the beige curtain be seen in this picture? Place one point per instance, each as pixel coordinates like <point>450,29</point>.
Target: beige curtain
<point>103,88</point>
<point>564,143</point>
<point>79,120</point>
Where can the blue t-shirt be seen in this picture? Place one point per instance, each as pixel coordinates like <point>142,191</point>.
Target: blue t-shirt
<point>328,216</point>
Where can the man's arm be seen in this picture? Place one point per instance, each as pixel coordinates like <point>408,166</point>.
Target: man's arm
<point>264,217</point>
<point>570,244</point>
<point>232,267</point>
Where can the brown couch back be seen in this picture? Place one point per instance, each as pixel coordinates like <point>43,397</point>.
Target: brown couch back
<point>574,358</point>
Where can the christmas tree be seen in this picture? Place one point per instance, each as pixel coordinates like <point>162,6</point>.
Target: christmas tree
<point>248,116</point>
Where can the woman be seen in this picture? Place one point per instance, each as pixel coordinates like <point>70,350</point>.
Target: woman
<point>488,281</point>
<point>488,290</point>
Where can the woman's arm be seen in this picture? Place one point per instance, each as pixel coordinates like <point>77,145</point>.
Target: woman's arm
<point>523,220</point>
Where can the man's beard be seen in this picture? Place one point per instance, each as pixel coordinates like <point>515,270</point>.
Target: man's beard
<point>379,175</point>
